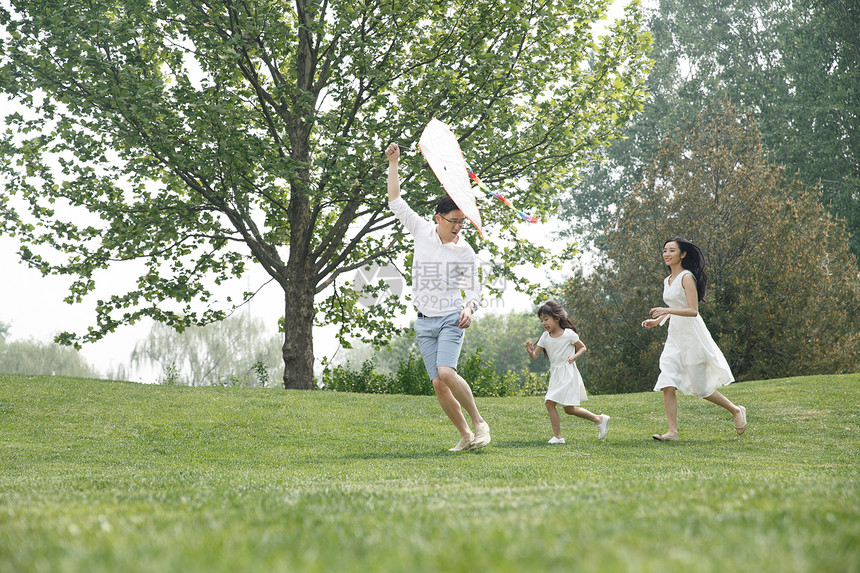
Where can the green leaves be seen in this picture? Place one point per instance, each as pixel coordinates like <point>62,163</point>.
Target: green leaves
<point>792,65</point>
<point>198,137</point>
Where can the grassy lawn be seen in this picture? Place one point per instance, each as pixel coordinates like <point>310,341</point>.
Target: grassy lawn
<point>102,476</point>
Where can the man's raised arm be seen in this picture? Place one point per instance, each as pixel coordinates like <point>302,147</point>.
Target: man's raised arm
<point>393,154</point>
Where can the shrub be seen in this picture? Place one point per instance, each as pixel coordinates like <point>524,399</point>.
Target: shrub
<point>411,378</point>
<point>531,383</point>
<point>363,380</point>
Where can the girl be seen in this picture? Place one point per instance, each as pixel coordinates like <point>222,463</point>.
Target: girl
<point>691,360</point>
<point>560,343</point>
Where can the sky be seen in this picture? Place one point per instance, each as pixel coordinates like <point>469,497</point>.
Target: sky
<point>33,305</point>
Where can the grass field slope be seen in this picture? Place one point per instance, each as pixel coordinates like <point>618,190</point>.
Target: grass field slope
<point>100,476</point>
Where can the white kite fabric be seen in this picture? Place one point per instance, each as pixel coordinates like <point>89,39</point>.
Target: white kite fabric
<point>442,152</point>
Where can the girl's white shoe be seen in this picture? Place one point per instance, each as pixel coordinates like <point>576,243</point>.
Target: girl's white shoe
<point>555,440</point>
<point>602,427</point>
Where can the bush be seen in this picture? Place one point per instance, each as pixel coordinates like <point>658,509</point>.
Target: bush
<point>531,383</point>
<point>364,380</point>
<point>783,291</point>
<point>411,378</point>
<point>484,380</point>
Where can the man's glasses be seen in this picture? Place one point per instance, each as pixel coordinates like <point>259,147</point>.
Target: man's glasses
<point>455,222</point>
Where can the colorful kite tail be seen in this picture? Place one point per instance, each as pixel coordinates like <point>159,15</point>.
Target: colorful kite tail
<point>523,216</point>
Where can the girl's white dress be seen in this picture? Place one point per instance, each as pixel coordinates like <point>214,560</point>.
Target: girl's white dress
<point>565,383</point>
<point>691,360</point>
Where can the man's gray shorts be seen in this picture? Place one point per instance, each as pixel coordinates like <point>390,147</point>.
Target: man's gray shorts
<point>440,340</point>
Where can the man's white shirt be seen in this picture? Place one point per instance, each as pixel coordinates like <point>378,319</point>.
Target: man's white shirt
<point>440,271</point>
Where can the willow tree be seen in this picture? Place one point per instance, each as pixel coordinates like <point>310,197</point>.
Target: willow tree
<point>203,136</point>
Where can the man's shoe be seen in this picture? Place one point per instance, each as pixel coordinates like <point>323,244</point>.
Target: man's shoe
<point>463,444</point>
<point>482,436</point>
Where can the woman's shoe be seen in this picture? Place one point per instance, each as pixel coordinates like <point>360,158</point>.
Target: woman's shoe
<point>742,428</point>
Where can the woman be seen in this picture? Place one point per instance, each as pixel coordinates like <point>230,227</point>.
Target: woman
<point>691,361</point>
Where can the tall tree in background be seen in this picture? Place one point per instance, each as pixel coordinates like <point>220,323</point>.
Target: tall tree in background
<point>198,137</point>
<point>783,291</point>
<point>795,66</point>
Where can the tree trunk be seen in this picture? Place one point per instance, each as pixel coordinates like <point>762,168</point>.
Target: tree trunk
<point>298,346</point>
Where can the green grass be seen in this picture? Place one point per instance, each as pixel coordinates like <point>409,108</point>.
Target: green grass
<point>106,476</point>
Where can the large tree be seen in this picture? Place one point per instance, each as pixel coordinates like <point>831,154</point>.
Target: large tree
<point>199,136</point>
<point>783,293</point>
<point>794,66</point>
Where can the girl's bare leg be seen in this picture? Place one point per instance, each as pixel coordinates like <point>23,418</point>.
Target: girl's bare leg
<point>583,413</point>
<point>554,419</point>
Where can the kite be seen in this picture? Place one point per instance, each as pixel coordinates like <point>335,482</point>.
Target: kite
<point>442,152</point>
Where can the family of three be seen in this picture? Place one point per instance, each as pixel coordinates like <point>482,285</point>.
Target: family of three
<point>446,294</point>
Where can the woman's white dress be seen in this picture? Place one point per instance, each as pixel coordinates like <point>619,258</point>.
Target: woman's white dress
<point>565,383</point>
<point>691,360</point>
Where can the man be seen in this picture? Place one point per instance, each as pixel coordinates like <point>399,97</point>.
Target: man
<point>442,265</point>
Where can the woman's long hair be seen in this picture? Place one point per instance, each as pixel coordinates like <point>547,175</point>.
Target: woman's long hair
<point>694,261</point>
